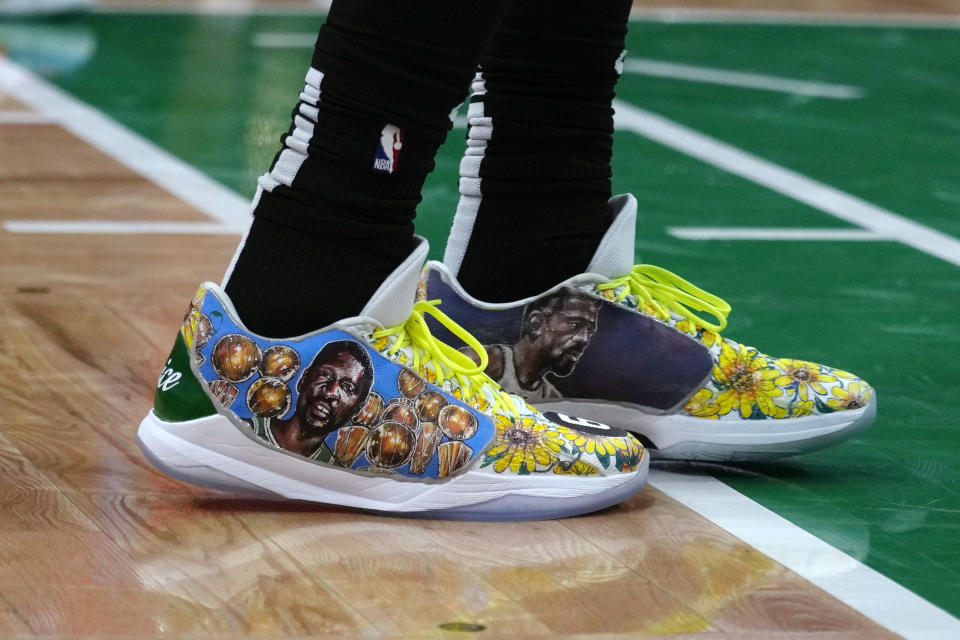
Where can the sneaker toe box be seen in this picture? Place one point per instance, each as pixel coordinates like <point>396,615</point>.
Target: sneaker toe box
<point>747,384</point>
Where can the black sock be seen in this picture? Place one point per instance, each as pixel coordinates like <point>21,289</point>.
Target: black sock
<point>334,216</point>
<point>540,144</point>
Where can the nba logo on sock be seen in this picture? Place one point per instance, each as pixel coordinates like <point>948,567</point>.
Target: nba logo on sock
<point>388,151</point>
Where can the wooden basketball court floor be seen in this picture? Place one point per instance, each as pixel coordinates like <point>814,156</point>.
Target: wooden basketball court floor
<point>95,543</point>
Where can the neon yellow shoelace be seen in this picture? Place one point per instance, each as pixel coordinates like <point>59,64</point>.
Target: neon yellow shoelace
<point>667,292</point>
<point>447,361</point>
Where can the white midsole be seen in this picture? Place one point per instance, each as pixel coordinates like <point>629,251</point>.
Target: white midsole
<point>669,430</point>
<point>213,442</point>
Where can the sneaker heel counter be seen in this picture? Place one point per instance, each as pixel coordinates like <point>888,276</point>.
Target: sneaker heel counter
<point>180,396</point>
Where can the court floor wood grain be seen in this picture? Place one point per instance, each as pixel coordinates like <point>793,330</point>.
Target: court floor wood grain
<point>95,543</point>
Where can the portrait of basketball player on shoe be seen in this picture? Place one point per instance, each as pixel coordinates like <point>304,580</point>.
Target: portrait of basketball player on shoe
<point>331,390</point>
<point>554,332</point>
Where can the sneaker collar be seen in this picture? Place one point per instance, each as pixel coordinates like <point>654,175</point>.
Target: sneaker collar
<point>615,254</point>
<point>391,303</point>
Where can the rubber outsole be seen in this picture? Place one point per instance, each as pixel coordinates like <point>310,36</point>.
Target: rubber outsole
<point>212,452</point>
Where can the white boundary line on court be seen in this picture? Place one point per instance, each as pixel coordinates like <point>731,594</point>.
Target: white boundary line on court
<point>125,146</point>
<point>118,227</point>
<point>743,79</point>
<point>284,40</point>
<point>789,183</point>
<point>856,585</point>
<point>795,18</point>
<point>774,233</point>
<point>846,579</point>
<point>23,117</point>
<point>641,66</point>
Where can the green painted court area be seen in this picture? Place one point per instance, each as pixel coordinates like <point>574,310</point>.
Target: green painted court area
<point>200,88</point>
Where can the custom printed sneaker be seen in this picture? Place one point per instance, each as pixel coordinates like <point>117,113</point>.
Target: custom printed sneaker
<point>623,344</point>
<point>373,412</point>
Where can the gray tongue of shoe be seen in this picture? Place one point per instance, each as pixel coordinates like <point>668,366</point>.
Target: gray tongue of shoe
<point>614,257</point>
<point>392,302</point>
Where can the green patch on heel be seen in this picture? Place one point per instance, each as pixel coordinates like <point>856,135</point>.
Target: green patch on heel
<point>180,396</point>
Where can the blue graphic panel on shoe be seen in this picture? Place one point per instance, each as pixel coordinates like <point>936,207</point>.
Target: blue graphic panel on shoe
<point>331,398</point>
<point>569,344</point>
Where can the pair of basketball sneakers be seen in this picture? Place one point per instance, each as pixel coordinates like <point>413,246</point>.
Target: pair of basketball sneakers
<point>381,412</point>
